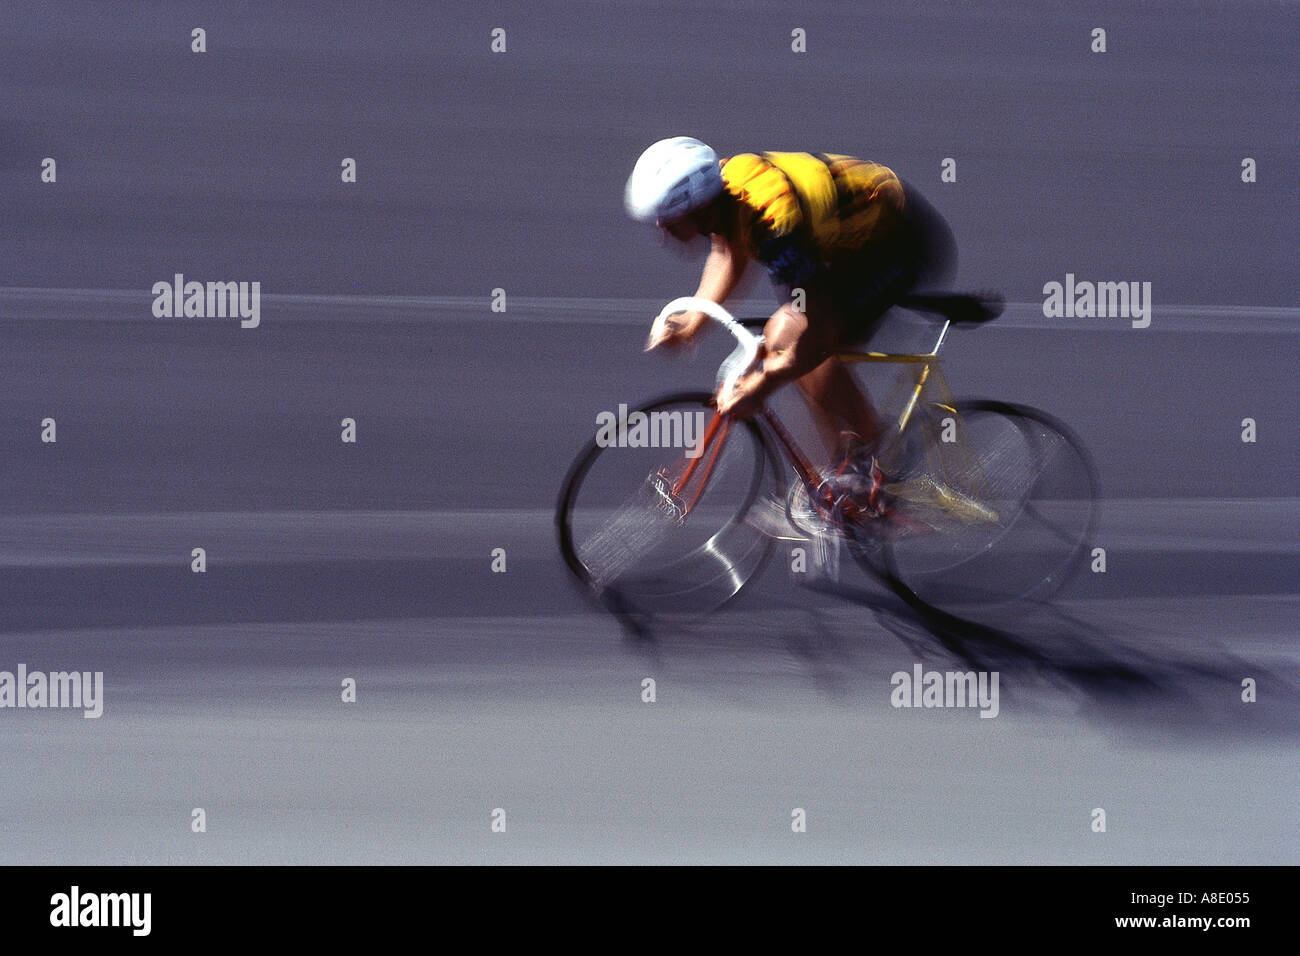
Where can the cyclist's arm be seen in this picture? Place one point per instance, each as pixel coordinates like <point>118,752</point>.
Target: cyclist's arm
<point>792,348</point>
<point>723,270</point>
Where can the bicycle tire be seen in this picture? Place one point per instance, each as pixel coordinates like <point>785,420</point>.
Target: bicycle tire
<point>883,557</point>
<point>621,599</point>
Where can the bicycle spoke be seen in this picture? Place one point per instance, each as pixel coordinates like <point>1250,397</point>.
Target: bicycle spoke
<point>1029,473</point>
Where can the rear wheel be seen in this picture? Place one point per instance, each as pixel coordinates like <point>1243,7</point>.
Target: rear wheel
<point>993,503</point>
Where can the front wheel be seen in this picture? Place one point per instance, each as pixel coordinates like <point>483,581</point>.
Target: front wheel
<point>639,548</point>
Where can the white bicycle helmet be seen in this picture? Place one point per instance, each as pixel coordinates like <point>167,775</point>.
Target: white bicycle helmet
<point>672,178</point>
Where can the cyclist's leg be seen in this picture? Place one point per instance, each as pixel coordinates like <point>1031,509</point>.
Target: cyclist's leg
<point>853,301</point>
<point>833,398</point>
<point>838,405</point>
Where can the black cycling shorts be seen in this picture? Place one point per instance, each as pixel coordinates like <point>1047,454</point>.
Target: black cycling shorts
<point>862,286</point>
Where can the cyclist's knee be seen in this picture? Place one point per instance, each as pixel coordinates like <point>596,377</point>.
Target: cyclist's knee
<point>785,327</point>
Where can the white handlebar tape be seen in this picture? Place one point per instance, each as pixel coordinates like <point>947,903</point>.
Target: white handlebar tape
<point>747,339</point>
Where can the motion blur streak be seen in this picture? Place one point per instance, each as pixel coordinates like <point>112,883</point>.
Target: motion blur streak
<point>372,560</point>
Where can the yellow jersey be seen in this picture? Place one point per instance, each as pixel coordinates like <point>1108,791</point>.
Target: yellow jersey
<point>802,211</point>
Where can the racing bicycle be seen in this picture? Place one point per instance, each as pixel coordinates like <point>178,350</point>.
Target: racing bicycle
<point>990,502</point>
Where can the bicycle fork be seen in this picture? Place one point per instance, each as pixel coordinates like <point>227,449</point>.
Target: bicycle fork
<point>671,492</point>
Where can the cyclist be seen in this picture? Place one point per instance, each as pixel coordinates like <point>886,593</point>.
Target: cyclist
<point>842,240</point>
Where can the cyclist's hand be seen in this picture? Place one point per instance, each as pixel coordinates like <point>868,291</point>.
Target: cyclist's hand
<point>745,399</point>
<point>676,330</point>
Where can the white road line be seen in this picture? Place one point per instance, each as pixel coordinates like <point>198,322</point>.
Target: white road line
<point>133,304</point>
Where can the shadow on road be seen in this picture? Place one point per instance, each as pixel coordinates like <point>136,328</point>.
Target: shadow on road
<point>1167,685</point>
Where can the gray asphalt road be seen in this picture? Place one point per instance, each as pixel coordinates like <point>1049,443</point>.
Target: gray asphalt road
<point>371,561</point>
